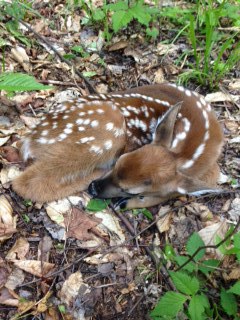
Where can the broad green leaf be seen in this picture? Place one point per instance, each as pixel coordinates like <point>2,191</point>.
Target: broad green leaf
<point>147,213</point>
<point>121,19</point>
<point>194,242</point>
<point>140,14</point>
<point>119,5</point>
<point>98,15</point>
<point>181,260</point>
<point>13,82</point>
<point>228,302</point>
<point>208,266</point>
<point>185,283</point>
<point>169,305</point>
<point>196,308</point>
<point>97,204</point>
<point>235,288</point>
<point>169,252</point>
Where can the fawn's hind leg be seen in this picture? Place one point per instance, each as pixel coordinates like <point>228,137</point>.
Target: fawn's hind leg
<point>47,187</point>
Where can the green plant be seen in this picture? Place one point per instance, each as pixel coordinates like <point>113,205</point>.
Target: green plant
<point>220,52</point>
<point>14,82</point>
<point>190,279</point>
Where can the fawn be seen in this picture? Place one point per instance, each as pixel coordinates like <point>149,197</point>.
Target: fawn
<point>146,145</point>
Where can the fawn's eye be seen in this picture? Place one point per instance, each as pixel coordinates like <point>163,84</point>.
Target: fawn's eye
<point>147,182</point>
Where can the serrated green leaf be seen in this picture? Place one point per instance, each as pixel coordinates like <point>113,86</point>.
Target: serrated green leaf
<point>228,302</point>
<point>98,15</point>
<point>140,14</point>
<point>121,19</point>
<point>196,308</point>
<point>119,5</point>
<point>97,204</point>
<point>209,266</point>
<point>194,242</point>
<point>235,288</point>
<point>13,82</point>
<point>185,283</point>
<point>169,305</point>
<point>181,260</point>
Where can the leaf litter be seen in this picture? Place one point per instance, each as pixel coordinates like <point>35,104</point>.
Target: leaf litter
<point>87,261</point>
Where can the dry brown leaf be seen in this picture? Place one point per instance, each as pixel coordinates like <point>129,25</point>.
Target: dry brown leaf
<point>111,224</point>
<point>209,233</point>
<point>159,76</point>
<point>163,224</point>
<point>166,48</point>
<point>201,210</point>
<point>30,122</point>
<point>56,209</point>
<point>10,153</point>
<point>19,250</point>
<point>44,248</point>
<point>4,140</point>
<point>72,288</point>
<point>235,274</point>
<point>8,222</point>
<point>9,173</point>
<point>118,45</point>
<point>7,299</point>
<point>37,268</point>
<point>15,279</point>
<point>21,56</point>
<point>234,213</point>
<point>235,85</point>
<point>220,96</point>
<point>79,224</point>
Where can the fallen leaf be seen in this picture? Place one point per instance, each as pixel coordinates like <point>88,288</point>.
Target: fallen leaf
<point>8,222</point>
<point>20,55</point>
<point>3,276</point>
<point>30,122</point>
<point>209,233</point>
<point>111,224</point>
<point>11,154</point>
<point>15,279</point>
<point>79,224</point>
<point>37,268</point>
<point>234,213</point>
<point>220,96</point>
<point>118,45</point>
<point>72,288</point>
<point>9,173</point>
<point>159,76</point>
<point>19,250</point>
<point>4,140</point>
<point>166,48</point>
<point>164,218</point>
<point>7,299</point>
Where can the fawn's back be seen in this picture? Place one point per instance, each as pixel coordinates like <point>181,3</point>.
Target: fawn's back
<point>148,144</point>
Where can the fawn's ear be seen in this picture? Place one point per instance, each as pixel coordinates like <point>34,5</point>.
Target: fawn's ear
<point>164,130</point>
<point>193,186</point>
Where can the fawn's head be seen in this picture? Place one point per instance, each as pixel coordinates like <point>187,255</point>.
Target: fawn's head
<point>152,170</point>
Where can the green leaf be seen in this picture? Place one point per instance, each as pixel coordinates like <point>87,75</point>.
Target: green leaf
<point>140,14</point>
<point>147,213</point>
<point>14,82</point>
<point>169,305</point>
<point>181,260</point>
<point>98,15</point>
<point>97,204</point>
<point>228,302</point>
<point>235,288</point>
<point>196,307</point>
<point>209,266</point>
<point>121,19</point>
<point>119,5</point>
<point>169,252</point>
<point>194,242</point>
<point>185,283</point>
<point>89,74</point>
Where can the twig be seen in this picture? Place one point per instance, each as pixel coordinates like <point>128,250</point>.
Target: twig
<point>88,84</point>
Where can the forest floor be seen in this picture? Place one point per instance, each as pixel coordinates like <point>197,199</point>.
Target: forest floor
<point>115,261</point>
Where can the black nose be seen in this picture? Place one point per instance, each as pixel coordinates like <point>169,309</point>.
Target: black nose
<point>93,188</point>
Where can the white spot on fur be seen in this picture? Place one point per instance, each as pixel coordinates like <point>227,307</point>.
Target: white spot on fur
<point>81,114</point>
<point>203,101</point>
<point>51,141</point>
<point>109,126</point>
<point>26,150</point>
<point>81,129</point>
<point>69,125</point>
<point>44,133</point>
<point>86,139</point>
<point>65,117</point>
<point>181,190</point>
<point>62,136</point>
<point>86,121</point>
<point>94,123</point>
<point>90,112</point>
<point>100,111</point>
<point>79,121</point>
<point>42,140</point>
<point>199,151</point>
<point>199,105</point>
<point>187,164</point>
<point>108,144</point>
<point>44,124</point>
<point>96,149</point>
<point>187,124</point>
<point>67,131</point>
<point>188,93</point>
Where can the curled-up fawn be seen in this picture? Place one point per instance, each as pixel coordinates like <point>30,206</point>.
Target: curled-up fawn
<point>146,144</point>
